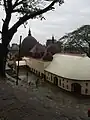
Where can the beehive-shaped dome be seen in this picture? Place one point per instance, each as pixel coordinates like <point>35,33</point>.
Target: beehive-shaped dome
<point>28,43</point>
<point>53,49</point>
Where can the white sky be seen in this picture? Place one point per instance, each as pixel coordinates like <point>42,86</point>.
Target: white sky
<point>65,18</point>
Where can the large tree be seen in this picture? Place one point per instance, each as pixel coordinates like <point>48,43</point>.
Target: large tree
<point>25,9</point>
<point>78,40</point>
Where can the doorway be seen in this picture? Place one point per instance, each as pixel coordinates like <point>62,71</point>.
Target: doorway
<point>56,81</point>
<point>76,88</point>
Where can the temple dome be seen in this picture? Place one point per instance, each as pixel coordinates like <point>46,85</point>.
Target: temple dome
<point>28,43</point>
<point>53,49</point>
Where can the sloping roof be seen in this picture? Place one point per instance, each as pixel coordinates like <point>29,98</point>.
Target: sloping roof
<point>38,48</point>
<point>47,56</point>
<point>72,67</point>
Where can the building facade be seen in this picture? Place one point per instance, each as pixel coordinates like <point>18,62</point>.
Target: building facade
<point>36,66</point>
<point>70,73</point>
<point>75,86</point>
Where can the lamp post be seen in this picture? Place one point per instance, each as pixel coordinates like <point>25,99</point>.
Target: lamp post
<point>18,60</point>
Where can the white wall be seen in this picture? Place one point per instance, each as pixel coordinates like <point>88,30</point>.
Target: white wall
<point>68,82</point>
<point>84,86</point>
<point>40,65</point>
<point>48,77</point>
<point>36,64</point>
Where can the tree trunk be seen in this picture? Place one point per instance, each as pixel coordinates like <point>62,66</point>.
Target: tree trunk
<point>3,56</point>
<point>89,51</point>
<point>6,38</point>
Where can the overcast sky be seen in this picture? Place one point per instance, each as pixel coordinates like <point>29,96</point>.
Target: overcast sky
<point>65,18</point>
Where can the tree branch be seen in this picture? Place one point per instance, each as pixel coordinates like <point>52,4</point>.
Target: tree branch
<point>17,3</point>
<point>82,49</point>
<point>21,11</point>
<point>21,21</point>
<point>78,37</point>
<point>9,4</point>
<point>33,14</point>
<point>3,20</point>
<point>86,39</point>
<point>5,5</point>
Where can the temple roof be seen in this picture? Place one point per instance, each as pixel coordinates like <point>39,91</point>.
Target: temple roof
<point>47,56</point>
<point>38,48</point>
<point>53,48</point>
<point>70,66</point>
<point>28,43</point>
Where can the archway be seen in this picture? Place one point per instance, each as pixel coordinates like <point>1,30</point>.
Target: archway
<point>38,74</point>
<point>76,88</point>
<point>42,75</point>
<point>56,81</point>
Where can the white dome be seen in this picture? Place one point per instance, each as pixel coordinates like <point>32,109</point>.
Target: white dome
<point>72,67</point>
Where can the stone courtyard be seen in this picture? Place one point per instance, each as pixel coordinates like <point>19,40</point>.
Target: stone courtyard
<point>45,101</point>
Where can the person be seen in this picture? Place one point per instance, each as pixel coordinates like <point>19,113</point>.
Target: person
<point>37,81</point>
<point>29,83</point>
<point>27,75</point>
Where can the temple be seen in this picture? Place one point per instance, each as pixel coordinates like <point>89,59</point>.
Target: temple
<point>67,71</point>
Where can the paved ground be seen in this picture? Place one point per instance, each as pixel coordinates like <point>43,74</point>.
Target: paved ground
<point>46,102</point>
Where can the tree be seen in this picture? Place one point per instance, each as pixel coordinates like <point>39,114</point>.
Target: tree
<point>79,40</point>
<point>26,9</point>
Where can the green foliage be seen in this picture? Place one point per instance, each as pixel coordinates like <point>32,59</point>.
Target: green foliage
<point>27,7</point>
<point>25,10</point>
<point>81,36</point>
<point>78,39</point>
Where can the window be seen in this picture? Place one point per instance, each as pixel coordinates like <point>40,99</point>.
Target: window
<point>51,77</point>
<point>67,81</point>
<point>63,85</point>
<point>63,79</point>
<point>86,84</point>
<point>67,86</point>
<point>39,73</point>
<point>60,82</point>
<point>86,90</point>
<point>46,73</point>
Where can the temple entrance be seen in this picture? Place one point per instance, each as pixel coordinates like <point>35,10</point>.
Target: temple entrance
<point>43,76</point>
<point>76,88</point>
<point>56,81</point>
